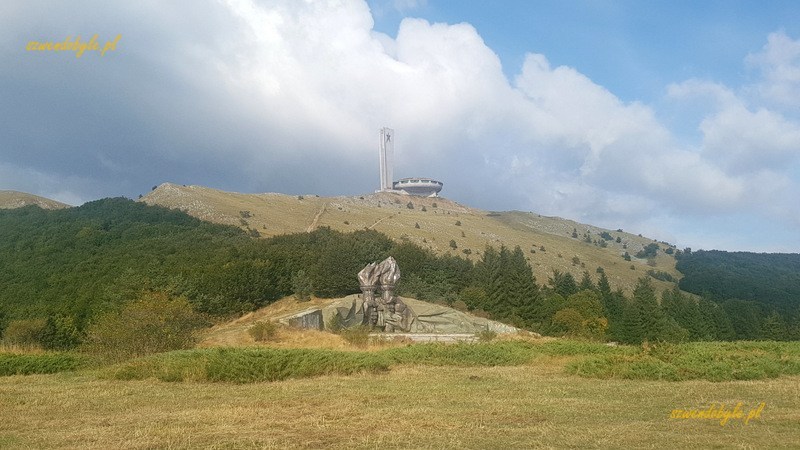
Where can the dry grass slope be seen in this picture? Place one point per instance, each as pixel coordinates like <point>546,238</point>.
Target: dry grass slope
<point>547,241</point>
<point>14,199</point>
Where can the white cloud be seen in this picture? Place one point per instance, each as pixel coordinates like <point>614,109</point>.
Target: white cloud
<point>63,189</point>
<point>779,62</point>
<point>272,96</point>
<point>743,141</point>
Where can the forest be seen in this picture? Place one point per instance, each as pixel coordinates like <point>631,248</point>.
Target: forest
<point>60,270</point>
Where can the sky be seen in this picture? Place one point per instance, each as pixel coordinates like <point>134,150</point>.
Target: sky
<point>678,120</point>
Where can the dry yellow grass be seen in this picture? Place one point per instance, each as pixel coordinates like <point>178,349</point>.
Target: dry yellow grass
<point>532,406</point>
<point>14,199</point>
<point>273,214</point>
<point>235,333</point>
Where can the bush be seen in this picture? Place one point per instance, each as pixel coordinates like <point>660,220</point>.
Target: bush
<point>24,333</point>
<point>660,275</point>
<point>248,366</point>
<point>486,335</point>
<point>60,333</point>
<point>357,336</point>
<point>568,321</point>
<point>302,285</point>
<point>335,324</point>
<point>263,331</point>
<point>26,364</point>
<point>153,323</point>
<point>713,361</point>
<point>463,354</point>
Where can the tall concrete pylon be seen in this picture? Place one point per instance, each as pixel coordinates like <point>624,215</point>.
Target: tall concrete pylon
<point>386,156</point>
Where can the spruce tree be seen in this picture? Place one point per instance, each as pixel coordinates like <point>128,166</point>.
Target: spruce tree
<point>631,330</point>
<point>652,317</point>
<point>563,283</point>
<point>774,327</point>
<point>586,282</point>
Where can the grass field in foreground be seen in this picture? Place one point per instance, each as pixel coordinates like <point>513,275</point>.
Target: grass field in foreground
<point>431,397</point>
<point>527,406</point>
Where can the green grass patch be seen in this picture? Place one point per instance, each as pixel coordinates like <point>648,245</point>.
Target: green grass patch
<point>236,365</point>
<point>563,347</point>
<point>713,361</point>
<point>42,363</point>
<point>247,366</point>
<point>463,354</point>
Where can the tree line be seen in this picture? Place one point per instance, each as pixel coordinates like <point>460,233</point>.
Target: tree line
<point>62,270</point>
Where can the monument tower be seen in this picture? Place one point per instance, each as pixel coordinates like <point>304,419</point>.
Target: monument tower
<point>386,155</point>
<point>419,186</point>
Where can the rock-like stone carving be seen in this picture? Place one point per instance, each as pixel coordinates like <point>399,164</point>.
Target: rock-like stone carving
<point>387,312</point>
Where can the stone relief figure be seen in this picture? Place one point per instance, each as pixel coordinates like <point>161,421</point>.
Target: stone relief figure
<point>387,312</point>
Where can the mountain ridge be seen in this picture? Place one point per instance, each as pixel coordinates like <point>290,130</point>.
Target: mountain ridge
<point>15,199</point>
<point>438,224</point>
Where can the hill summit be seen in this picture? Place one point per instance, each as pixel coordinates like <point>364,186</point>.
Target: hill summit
<point>14,199</point>
<point>438,224</point>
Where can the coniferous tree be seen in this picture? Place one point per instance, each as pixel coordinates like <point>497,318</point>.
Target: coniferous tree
<point>684,310</point>
<point>563,283</point>
<point>522,288</point>
<point>652,317</point>
<point>774,328</point>
<point>716,320</point>
<point>632,329</point>
<point>744,317</point>
<point>586,282</point>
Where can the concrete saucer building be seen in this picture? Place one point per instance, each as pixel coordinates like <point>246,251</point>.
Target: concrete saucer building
<point>419,186</point>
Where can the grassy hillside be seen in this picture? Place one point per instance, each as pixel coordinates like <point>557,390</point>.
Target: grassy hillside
<point>546,241</point>
<point>14,199</point>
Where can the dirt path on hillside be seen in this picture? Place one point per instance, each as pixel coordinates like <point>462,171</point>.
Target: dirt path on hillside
<point>381,220</point>
<point>314,222</point>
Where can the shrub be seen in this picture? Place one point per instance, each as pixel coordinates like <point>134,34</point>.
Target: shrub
<point>153,323</point>
<point>568,320</point>
<point>649,251</point>
<point>26,364</point>
<point>263,331</point>
<point>357,336</point>
<point>463,354</point>
<point>60,333</point>
<point>24,333</point>
<point>237,365</point>
<point>660,275</point>
<point>302,285</point>
<point>335,324</point>
<point>486,335</point>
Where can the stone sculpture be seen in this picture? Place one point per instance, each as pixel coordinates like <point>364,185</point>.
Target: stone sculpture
<point>387,312</point>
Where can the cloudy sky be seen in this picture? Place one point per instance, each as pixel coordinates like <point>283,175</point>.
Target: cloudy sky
<point>679,120</point>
